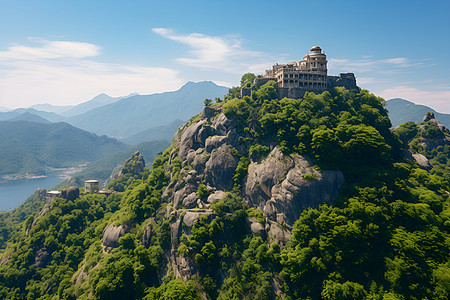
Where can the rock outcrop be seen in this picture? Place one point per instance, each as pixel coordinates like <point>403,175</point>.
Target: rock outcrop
<point>422,161</point>
<point>70,193</point>
<point>282,186</point>
<point>42,258</point>
<point>111,235</point>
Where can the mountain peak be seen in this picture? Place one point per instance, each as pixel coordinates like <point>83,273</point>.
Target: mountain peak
<point>190,84</point>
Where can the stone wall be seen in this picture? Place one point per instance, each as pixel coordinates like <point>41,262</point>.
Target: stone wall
<point>346,80</point>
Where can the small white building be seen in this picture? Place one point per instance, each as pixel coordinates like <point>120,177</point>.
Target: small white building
<point>50,195</point>
<point>91,185</point>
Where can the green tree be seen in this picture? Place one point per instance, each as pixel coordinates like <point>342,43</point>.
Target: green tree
<point>247,77</point>
<point>207,102</point>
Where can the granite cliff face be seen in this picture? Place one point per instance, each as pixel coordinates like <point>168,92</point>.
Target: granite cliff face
<point>279,185</point>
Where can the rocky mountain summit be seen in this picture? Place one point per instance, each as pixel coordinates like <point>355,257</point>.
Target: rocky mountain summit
<point>208,151</point>
<point>255,198</point>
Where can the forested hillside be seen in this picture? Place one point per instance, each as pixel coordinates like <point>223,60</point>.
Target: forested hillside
<point>30,147</point>
<point>256,198</point>
<point>103,168</point>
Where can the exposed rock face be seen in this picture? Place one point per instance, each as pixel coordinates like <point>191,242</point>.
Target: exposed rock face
<point>146,237</point>
<point>70,193</point>
<point>209,151</point>
<point>208,112</point>
<point>216,196</point>
<point>42,258</point>
<point>42,213</point>
<point>185,267</point>
<point>220,168</point>
<point>422,161</point>
<point>111,235</point>
<point>278,188</point>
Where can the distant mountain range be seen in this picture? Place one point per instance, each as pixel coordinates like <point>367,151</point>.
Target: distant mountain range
<point>132,115</point>
<point>136,118</point>
<point>27,116</point>
<point>164,132</point>
<point>95,102</point>
<point>33,139</point>
<point>52,108</point>
<point>401,111</point>
<point>30,147</point>
<point>50,116</point>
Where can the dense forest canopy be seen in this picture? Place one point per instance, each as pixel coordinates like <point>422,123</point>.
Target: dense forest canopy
<point>386,236</point>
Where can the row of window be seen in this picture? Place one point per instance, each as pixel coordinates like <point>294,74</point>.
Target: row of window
<point>304,76</point>
<point>302,84</point>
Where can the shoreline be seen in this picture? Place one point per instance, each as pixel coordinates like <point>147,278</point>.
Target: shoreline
<point>62,173</point>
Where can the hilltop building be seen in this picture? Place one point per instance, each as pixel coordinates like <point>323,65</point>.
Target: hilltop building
<point>310,74</point>
<point>50,195</point>
<point>91,185</point>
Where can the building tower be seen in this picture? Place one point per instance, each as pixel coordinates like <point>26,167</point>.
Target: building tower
<point>316,61</point>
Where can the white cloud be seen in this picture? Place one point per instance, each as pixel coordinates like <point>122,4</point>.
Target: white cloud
<point>371,65</point>
<point>218,53</point>
<point>51,49</point>
<point>64,72</point>
<point>439,99</point>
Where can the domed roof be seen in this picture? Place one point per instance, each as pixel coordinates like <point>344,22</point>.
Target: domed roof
<point>315,48</point>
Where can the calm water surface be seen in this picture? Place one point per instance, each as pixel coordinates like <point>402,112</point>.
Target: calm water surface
<point>15,192</point>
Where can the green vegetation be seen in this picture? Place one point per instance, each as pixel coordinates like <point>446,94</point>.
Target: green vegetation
<point>28,147</point>
<point>427,139</point>
<point>309,176</point>
<point>207,102</point>
<point>386,236</point>
<point>103,168</point>
<point>401,111</point>
<point>247,78</point>
<point>10,221</point>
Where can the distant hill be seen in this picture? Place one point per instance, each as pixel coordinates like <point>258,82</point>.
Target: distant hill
<point>94,103</point>
<point>50,116</point>
<point>30,147</point>
<point>164,132</point>
<point>52,108</point>
<point>102,169</point>
<point>401,111</point>
<point>3,109</point>
<point>30,117</point>
<point>132,115</point>
<point>8,115</point>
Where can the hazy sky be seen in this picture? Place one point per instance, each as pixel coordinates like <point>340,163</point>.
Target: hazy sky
<point>66,52</point>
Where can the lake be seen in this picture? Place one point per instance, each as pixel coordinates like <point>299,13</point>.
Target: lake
<point>15,192</point>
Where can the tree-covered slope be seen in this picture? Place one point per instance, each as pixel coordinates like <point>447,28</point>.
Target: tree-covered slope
<point>103,168</point>
<point>30,147</point>
<point>256,198</point>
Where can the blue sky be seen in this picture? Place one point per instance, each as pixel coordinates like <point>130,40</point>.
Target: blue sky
<point>66,52</point>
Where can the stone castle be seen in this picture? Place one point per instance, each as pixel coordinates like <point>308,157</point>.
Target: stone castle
<point>310,74</point>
